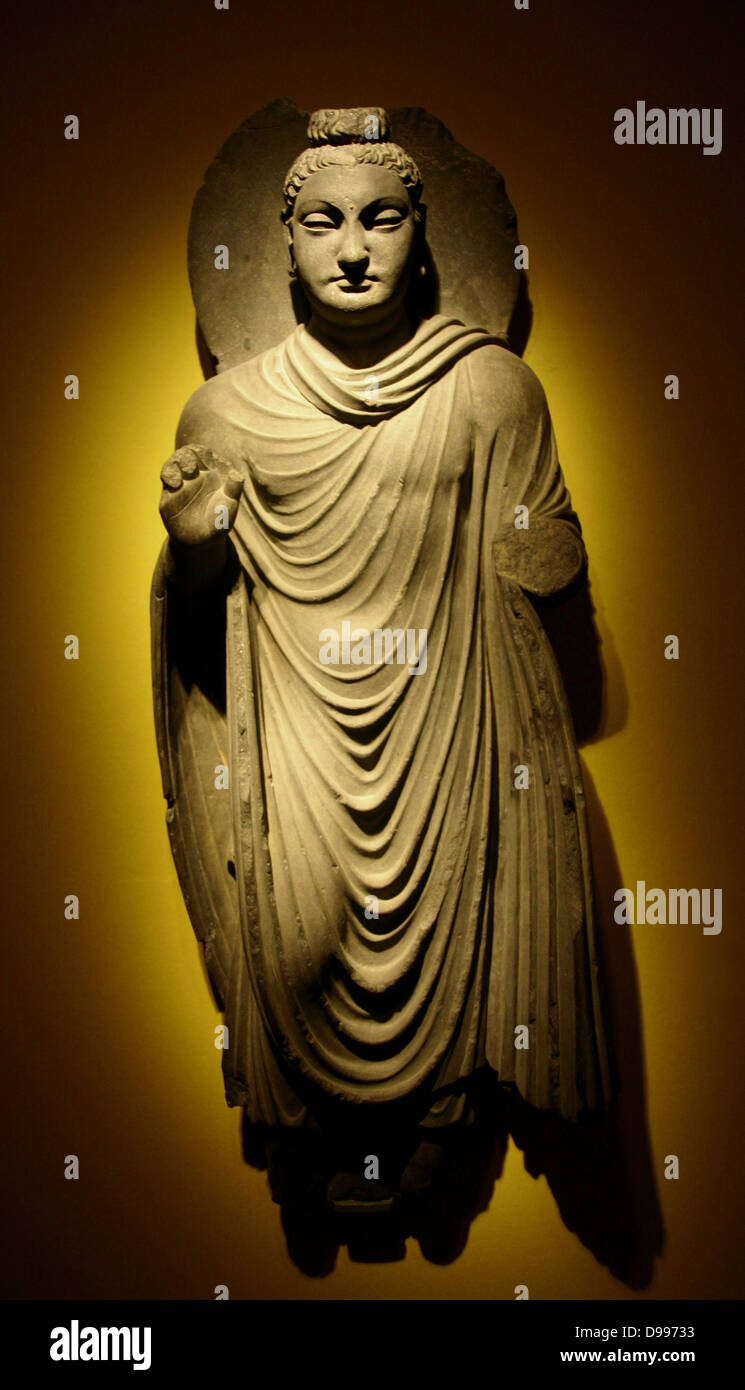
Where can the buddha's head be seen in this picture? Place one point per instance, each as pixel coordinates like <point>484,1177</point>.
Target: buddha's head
<point>352,216</point>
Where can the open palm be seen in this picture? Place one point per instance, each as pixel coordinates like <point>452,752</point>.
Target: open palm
<point>200,495</point>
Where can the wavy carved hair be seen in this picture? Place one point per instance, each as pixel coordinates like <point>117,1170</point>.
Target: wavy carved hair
<point>355,135</point>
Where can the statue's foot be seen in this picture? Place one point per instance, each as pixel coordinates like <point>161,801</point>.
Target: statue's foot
<point>352,1192</point>
<point>428,1168</point>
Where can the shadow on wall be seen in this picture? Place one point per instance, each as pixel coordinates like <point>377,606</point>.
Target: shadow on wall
<point>601,1172</point>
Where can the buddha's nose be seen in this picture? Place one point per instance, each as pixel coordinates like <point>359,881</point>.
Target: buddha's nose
<point>353,254</point>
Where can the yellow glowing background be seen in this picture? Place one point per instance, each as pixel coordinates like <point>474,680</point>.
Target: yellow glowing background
<point>633,275</point>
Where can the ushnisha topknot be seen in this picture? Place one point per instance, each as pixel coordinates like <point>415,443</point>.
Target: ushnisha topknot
<point>352,135</point>
<point>349,126</point>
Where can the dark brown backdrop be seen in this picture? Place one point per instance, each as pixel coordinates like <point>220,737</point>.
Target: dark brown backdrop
<point>635,273</point>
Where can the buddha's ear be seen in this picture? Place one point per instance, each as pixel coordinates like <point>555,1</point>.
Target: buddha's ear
<point>290,246</point>
<point>419,248</point>
<point>420,233</point>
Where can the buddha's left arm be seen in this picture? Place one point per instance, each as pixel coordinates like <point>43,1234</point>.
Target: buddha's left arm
<point>533,532</point>
<point>543,560</point>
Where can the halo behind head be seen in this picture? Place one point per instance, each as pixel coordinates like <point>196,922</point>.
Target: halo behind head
<point>471,232</point>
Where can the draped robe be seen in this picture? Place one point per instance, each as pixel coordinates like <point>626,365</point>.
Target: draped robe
<point>383,909</point>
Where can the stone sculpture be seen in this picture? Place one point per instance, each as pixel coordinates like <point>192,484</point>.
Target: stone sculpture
<point>374,797</point>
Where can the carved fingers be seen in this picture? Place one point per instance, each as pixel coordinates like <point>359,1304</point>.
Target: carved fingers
<point>200,495</point>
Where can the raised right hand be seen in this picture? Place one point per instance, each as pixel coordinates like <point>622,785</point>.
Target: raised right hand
<point>200,495</point>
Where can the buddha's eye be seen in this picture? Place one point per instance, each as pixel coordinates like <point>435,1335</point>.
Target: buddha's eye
<point>388,217</point>
<point>318,222</point>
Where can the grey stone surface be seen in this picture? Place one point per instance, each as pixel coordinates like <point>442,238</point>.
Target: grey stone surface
<point>304,787</point>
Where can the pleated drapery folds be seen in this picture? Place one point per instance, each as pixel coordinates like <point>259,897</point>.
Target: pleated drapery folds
<point>381,906</point>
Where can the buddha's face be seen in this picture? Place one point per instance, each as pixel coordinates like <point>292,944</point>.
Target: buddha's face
<point>353,232</point>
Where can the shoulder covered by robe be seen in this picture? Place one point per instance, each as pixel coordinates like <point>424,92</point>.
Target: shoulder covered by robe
<point>383,909</point>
